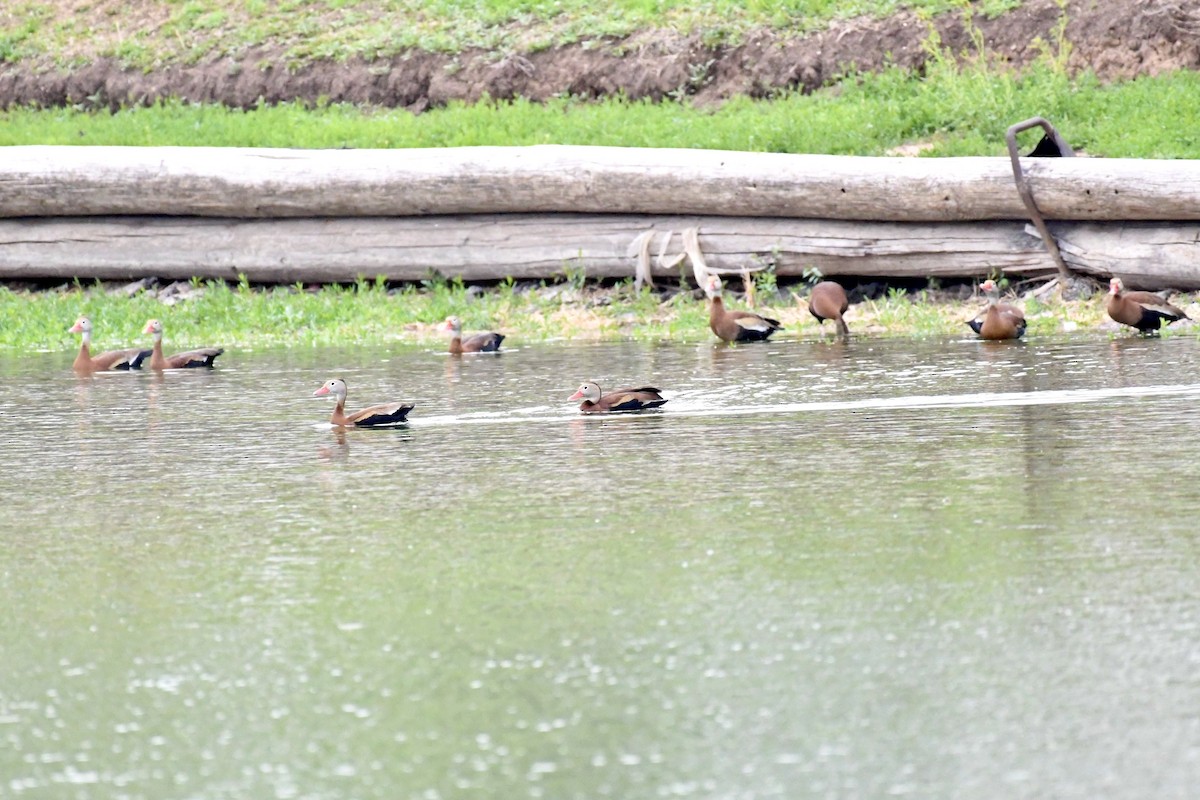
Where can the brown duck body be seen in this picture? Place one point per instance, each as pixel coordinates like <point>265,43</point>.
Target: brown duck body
<point>828,300</point>
<point>85,363</point>
<point>739,326</point>
<point>479,343</point>
<point>1145,311</point>
<point>192,359</point>
<point>628,399</point>
<point>381,414</point>
<point>371,416</point>
<point>999,320</point>
<point>109,360</point>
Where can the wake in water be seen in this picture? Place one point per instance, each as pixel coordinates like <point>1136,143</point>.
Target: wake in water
<point>694,405</point>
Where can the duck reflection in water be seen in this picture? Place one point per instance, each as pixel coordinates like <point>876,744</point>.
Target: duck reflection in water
<point>339,450</point>
<point>623,425</point>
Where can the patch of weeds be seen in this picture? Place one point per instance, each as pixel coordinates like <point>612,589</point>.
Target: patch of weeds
<point>1055,54</point>
<point>20,40</point>
<point>575,274</point>
<point>766,282</point>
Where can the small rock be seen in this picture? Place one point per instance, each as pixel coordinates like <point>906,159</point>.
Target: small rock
<point>1078,288</point>
<point>172,289</point>
<point>867,291</point>
<point>130,289</point>
<point>178,292</point>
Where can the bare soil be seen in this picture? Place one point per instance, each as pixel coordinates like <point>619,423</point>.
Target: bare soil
<point>1115,40</point>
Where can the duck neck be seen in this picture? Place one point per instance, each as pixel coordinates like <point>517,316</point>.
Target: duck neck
<point>716,308</point>
<point>84,359</point>
<point>157,361</point>
<point>339,411</point>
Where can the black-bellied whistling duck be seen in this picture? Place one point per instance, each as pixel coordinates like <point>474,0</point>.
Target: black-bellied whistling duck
<point>479,343</point>
<point>827,300</point>
<point>998,320</point>
<point>594,402</point>
<point>191,359</point>
<point>735,326</point>
<point>1142,310</point>
<point>382,414</point>
<point>86,363</point>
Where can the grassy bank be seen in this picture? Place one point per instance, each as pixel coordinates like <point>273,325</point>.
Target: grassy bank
<point>370,314</point>
<point>954,110</point>
<point>152,35</point>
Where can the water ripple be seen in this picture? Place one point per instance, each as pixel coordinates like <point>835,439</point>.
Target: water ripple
<point>696,404</point>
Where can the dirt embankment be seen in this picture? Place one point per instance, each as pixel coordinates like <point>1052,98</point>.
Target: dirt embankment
<point>1114,40</point>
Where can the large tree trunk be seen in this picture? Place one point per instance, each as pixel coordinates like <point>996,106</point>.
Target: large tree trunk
<point>492,247</point>
<point>254,183</point>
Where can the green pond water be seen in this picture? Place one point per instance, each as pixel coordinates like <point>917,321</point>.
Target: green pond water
<point>938,569</point>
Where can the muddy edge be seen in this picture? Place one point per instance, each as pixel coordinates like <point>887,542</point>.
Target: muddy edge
<point>1114,40</point>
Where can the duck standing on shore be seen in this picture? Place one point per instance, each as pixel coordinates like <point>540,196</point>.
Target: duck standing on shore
<point>1145,311</point>
<point>735,326</point>
<point>828,300</point>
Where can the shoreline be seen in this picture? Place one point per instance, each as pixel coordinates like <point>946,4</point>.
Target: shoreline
<point>204,314</point>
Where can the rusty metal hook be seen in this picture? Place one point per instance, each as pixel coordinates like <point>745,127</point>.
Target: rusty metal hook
<point>1050,142</point>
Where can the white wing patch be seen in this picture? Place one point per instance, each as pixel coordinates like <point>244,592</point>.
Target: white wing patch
<point>1165,309</point>
<point>754,324</point>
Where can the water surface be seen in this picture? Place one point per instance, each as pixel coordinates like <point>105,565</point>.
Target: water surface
<point>930,568</point>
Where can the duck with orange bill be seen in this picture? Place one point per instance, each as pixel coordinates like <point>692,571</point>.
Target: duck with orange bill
<point>1145,311</point>
<point>999,320</point>
<point>735,326</point>
<point>375,416</point>
<point>86,363</point>
<point>192,359</point>
<point>476,343</point>
<point>629,399</point>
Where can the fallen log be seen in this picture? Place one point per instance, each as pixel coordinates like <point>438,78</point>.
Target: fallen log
<point>265,183</point>
<point>1144,255</point>
<point>534,246</point>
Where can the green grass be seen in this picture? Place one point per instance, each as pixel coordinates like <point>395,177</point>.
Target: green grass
<point>340,29</point>
<point>959,110</point>
<point>368,313</point>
